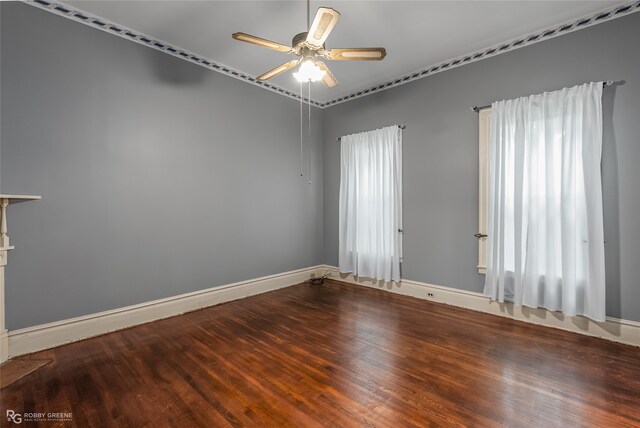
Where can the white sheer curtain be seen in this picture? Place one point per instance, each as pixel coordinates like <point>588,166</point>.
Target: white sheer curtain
<point>546,240</point>
<point>371,204</point>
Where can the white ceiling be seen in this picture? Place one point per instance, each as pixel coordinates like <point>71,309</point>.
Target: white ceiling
<point>416,34</point>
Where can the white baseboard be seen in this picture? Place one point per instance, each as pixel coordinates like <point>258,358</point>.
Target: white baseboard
<point>4,346</point>
<point>614,329</point>
<point>45,336</point>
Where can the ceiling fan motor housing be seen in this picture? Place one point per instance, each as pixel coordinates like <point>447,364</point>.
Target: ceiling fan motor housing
<point>298,39</point>
<point>301,47</point>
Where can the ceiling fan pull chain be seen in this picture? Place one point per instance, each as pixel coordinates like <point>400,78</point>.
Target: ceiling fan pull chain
<point>309,139</point>
<point>301,161</point>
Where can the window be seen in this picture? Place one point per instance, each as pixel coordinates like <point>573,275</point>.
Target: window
<point>542,208</point>
<point>483,191</point>
<point>370,211</point>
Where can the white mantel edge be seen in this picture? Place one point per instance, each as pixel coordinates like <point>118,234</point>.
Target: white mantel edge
<point>6,200</point>
<point>19,198</point>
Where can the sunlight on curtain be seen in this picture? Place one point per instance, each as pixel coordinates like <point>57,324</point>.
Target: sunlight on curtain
<point>546,239</point>
<point>371,204</point>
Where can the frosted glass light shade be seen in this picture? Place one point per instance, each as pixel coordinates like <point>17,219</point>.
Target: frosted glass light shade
<point>309,72</point>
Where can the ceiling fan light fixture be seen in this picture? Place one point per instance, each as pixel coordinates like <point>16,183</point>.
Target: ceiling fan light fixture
<point>309,71</point>
<point>309,46</point>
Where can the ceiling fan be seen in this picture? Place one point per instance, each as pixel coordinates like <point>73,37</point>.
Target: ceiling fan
<point>309,46</point>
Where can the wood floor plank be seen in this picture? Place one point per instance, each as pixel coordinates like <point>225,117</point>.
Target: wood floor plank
<point>335,355</point>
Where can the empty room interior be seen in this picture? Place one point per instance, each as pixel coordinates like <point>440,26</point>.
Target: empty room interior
<point>304,213</point>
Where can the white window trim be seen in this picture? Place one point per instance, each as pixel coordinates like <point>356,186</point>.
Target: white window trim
<point>484,134</point>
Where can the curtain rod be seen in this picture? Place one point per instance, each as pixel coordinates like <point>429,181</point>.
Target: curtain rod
<point>399,126</point>
<point>477,109</point>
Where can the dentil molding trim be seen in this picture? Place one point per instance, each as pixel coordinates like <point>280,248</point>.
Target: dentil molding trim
<point>78,15</point>
<point>110,27</point>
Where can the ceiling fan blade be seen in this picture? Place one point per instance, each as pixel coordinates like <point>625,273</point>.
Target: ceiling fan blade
<point>326,18</point>
<point>278,70</point>
<point>328,79</point>
<point>355,54</point>
<point>244,37</point>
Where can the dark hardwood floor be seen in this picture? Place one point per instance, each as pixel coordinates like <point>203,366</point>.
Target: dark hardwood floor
<point>335,355</point>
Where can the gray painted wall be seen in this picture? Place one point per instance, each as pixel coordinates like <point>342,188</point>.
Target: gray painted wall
<point>158,177</point>
<point>441,153</point>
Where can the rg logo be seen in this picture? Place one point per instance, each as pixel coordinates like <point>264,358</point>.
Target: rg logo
<point>14,417</point>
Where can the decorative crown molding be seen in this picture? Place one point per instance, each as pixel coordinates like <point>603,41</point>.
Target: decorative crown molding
<point>110,27</point>
<point>94,21</point>
<point>497,49</point>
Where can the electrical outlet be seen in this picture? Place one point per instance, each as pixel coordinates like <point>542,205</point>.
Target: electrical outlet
<point>430,295</point>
